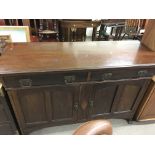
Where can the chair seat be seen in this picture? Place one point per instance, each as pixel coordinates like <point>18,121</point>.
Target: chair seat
<point>48,32</point>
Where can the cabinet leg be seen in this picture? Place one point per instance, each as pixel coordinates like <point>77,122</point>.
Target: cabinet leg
<point>130,121</point>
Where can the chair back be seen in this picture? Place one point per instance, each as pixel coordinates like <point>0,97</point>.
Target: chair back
<point>48,24</point>
<point>132,26</point>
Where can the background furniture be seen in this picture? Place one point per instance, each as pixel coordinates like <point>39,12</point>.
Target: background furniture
<point>7,122</point>
<point>48,30</point>
<point>76,30</point>
<point>75,82</point>
<point>117,24</point>
<point>133,28</point>
<point>95,127</point>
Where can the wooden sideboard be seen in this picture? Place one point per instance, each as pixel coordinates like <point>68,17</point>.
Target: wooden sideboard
<point>51,84</point>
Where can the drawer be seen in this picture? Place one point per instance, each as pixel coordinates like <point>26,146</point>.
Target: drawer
<point>45,79</point>
<point>122,73</point>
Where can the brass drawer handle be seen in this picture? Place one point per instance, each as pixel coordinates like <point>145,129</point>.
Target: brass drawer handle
<point>106,76</point>
<point>25,82</point>
<point>69,79</point>
<point>143,73</point>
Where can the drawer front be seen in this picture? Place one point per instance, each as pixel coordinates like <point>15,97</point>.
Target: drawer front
<point>23,81</point>
<point>118,74</point>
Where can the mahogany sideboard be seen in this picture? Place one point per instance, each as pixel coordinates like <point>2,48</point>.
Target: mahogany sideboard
<point>51,84</point>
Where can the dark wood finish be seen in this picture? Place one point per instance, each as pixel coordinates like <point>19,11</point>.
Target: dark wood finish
<point>63,56</point>
<point>59,83</point>
<point>7,123</point>
<point>146,111</point>
<point>117,98</point>
<point>36,107</point>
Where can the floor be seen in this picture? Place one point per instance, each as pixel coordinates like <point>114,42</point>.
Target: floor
<point>120,127</point>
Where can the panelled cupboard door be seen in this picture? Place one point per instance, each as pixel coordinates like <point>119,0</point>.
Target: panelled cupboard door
<point>63,101</point>
<point>102,99</point>
<point>36,107</point>
<point>113,98</point>
<point>129,95</point>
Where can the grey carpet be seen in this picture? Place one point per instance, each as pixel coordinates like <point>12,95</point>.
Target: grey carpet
<point>120,127</point>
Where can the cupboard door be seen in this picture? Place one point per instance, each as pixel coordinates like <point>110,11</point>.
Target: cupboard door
<point>41,107</point>
<point>30,106</point>
<point>117,99</point>
<point>129,95</point>
<point>102,99</point>
<point>63,103</point>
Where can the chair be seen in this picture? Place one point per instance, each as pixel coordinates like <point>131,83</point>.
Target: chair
<point>71,30</point>
<point>95,127</point>
<point>132,28</point>
<point>48,30</point>
<point>114,24</point>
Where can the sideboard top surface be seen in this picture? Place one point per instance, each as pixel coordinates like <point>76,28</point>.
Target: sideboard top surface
<point>62,56</point>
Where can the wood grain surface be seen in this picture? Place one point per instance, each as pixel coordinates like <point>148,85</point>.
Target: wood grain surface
<point>43,57</point>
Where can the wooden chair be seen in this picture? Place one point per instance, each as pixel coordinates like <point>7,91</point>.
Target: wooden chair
<point>95,127</point>
<point>76,30</point>
<point>132,28</point>
<point>48,30</point>
<point>114,24</point>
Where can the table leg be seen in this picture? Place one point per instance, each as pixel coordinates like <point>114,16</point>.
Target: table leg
<point>121,30</point>
<point>94,34</point>
<point>111,30</point>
